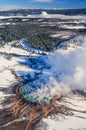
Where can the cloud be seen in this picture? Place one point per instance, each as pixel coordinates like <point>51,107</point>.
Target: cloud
<point>42,0</point>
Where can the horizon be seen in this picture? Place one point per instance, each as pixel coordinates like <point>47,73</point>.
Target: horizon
<point>9,9</point>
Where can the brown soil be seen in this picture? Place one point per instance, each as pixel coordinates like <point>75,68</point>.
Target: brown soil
<point>33,113</point>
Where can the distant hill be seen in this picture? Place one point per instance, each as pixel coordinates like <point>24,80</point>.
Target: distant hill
<point>38,11</point>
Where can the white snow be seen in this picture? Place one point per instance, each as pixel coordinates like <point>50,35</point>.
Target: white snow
<point>66,123</point>
<point>59,16</point>
<point>4,24</point>
<point>73,27</point>
<point>56,73</point>
<point>25,20</point>
<point>74,121</point>
<point>44,14</point>
<point>65,73</point>
<point>62,34</point>
<point>6,65</point>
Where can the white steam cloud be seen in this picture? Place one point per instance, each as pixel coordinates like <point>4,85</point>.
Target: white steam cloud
<point>71,67</point>
<point>50,75</point>
<point>67,72</point>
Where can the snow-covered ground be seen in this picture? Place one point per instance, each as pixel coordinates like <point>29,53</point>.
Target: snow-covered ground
<point>62,34</point>
<point>44,14</point>
<point>73,27</point>
<point>1,24</point>
<point>71,120</point>
<point>48,74</point>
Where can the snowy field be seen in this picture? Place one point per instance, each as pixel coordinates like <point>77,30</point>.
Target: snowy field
<point>49,77</point>
<point>46,74</point>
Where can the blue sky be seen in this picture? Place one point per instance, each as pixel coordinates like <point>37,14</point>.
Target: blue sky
<point>42,4</point>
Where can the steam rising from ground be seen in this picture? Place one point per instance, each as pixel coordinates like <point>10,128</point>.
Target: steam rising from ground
<point>61,71</point>
<point>71,67</point>
<point>45,76</point>
<point>44,14</point>
<point>49,75</point>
